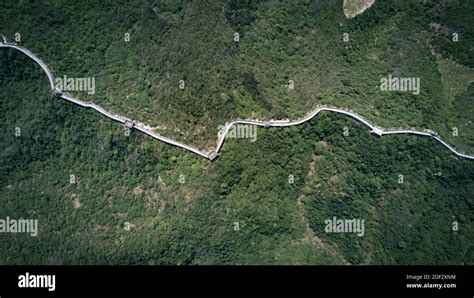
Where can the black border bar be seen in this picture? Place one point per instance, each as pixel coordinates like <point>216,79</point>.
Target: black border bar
<point>292,281</point>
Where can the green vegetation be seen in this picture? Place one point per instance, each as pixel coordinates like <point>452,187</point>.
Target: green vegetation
<point>406,223</point>
<point>451,16</point>
<point>279,41</point>
<point>456,78</point>
<point>181,209</point>
<point>135,179</point>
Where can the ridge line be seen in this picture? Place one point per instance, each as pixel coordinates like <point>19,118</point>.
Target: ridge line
<point>379,131</point>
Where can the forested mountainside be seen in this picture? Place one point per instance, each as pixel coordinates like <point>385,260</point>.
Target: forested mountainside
<point>142,52</point>
<point>104,197</point>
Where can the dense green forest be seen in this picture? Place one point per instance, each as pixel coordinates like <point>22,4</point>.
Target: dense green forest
<point>135,181</point>
<point>279,41</point>
<point>138,201</point>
